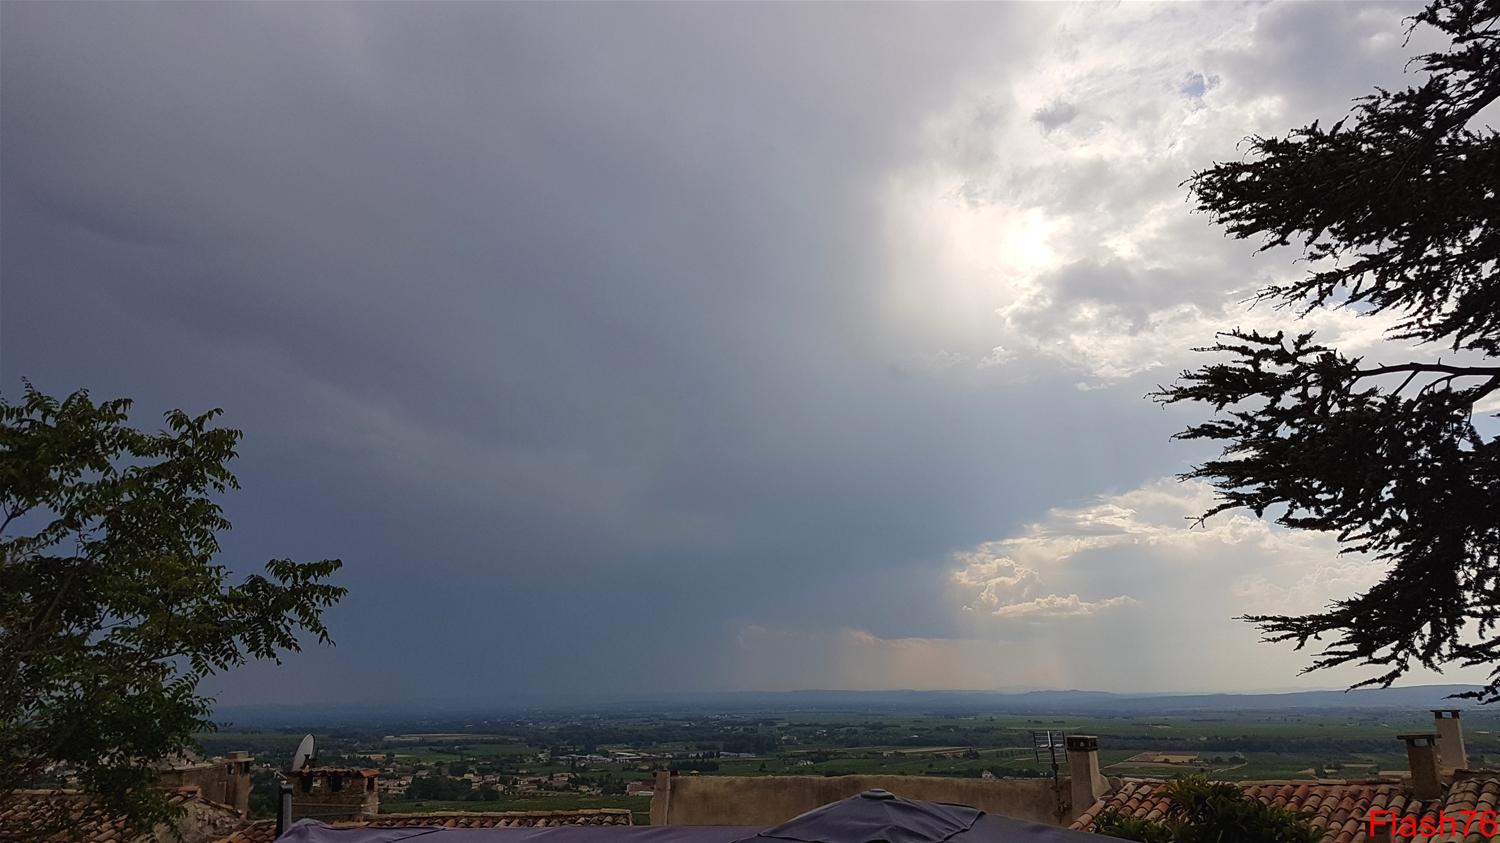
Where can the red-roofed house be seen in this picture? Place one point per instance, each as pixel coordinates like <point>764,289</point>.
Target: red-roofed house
<point>1341,810</point>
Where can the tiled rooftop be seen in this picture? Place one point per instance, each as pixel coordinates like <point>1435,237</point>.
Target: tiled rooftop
<point>264,831</point>
<point>506,819</point>
<point>347,772</point>
<point>1471,792</point>
<point>1340,809</point>
<point>31,814</point>
<point>259,831</point>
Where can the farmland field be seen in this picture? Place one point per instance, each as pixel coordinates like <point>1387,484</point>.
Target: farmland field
<point>639,806</point>
<point>559,761</point>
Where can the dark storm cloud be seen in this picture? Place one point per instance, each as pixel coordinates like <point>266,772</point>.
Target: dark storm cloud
<point>530,313</point>
<point>557,322</point>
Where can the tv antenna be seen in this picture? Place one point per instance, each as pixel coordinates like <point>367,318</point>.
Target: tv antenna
<point>1045,745</point>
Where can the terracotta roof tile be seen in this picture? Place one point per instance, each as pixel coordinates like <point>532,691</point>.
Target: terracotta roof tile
<point>1338,809</point>
<point>259,831</point>
<point>29,815</point>
<point>350,772</point>
<point>264,831</point>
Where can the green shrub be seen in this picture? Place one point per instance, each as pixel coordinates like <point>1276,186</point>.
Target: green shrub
<point>1204,811</point>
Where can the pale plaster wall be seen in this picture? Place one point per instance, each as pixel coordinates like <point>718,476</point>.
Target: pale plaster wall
<point>770,800</point>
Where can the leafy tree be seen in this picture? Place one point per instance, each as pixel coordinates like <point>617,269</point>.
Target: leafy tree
<point>1204,811</point>
<point>438,787</point>
<point>112,608</point>
<point>1394,208</point>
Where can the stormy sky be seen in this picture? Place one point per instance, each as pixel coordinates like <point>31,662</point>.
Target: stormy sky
<point>646,348</point>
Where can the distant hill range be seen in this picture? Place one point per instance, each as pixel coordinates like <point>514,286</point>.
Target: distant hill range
<point>1026,702</point>
<point>1416,697</point>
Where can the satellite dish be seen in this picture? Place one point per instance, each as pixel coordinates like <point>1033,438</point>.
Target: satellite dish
<point>304,754</point>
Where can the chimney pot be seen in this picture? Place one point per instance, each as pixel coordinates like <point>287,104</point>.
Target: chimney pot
<point>1421,757</point>
<point>237,787</point>
<point>1450,747</point>
<point>1088,784</point>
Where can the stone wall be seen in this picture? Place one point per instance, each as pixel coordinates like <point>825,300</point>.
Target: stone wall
<point>200,823</point>
<point>770,800</point>
<point>223,780</point>
<point>333,795</point>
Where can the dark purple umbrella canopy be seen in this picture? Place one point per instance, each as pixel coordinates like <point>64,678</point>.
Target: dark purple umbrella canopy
<point>878,816</point>
<point>874,816</point>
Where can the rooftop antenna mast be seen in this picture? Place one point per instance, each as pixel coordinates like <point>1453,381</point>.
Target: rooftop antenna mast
<point>1045,745</point>
<point>305,756</point>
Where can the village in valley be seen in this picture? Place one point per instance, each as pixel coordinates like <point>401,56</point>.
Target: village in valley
<point>611,759</point>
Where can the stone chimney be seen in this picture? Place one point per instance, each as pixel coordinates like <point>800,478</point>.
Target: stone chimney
<point>1450,740</point>
<point>1421,757</point>
<point>237,792</point>
<point>1083,769</point>
<point>331,794</point>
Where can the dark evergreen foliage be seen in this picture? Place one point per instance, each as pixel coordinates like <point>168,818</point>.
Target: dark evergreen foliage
<point>1395,210</point>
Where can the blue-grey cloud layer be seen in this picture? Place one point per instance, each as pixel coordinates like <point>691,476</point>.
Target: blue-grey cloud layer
<point>569,327</point>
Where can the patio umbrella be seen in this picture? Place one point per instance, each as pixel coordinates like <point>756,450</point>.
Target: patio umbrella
<point>879,815</point>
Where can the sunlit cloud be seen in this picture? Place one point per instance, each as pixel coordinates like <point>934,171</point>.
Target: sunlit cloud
<point>788,658</point>
<point>1050,201</point>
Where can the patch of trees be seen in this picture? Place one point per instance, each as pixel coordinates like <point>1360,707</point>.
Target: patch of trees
<point>439,788</point>
<point>484,793</point>
<point>757,743</point>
